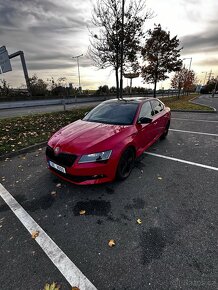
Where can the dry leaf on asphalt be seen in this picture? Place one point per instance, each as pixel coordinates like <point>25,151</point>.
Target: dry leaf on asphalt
<point>111,243</point>
<point>52,286</point>
<point>82,212</point>
<point>160,178</point>
<point>139,221</point>
<point>35,234</point>
<point>53,193</point>
<point>58,185</point>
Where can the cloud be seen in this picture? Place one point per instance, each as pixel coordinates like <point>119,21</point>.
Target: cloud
<point>205,41</point>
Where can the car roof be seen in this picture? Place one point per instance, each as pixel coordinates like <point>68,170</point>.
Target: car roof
<point>136,100</point>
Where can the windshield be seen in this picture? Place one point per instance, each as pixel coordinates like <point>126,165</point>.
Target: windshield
<point>113,113</point>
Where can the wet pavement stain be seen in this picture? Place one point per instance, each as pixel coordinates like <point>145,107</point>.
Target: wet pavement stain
<point>109,190</point>
<point>138,203</point>
<point>99,222</point>
<point>43,202</point>
<point>93,207</point>
<point>152,243</point>
<point>112,219</point>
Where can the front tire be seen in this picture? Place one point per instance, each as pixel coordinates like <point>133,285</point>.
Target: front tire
<point>126,164</point>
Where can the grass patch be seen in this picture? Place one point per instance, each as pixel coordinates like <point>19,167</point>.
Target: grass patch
<point>20,132</point>
<point>183,103</point>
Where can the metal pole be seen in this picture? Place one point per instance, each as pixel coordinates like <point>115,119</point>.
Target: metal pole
<point>121,51</point>
<point>23,62</point>
<point>77,58</point>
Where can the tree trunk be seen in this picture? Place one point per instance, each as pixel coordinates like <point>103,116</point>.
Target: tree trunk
<point>117,82</point>
<point>155,87</point>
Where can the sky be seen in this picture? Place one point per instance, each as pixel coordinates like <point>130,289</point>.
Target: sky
<point>51,32</point>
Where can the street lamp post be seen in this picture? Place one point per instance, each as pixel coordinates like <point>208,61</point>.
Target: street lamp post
<point>189,63</point>
<point>204,77</point>
<point>77,58</point>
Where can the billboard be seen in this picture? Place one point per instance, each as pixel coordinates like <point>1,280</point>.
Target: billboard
<point>5,64</point>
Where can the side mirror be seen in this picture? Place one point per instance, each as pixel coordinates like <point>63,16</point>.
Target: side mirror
<point>144,120</point>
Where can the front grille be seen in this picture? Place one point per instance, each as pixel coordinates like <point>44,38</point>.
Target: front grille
<point>63,159</point>
<point>77,179</point>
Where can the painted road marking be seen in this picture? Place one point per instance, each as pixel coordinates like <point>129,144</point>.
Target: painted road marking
<point>208,121</point>
<point>192,132</point>
<point>182,161</point>
<point>68,269</point>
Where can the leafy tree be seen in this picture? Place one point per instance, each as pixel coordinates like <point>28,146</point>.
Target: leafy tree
<point>183,80</point>
<point>210,86</point>
<point>161,56</point>
<point>103,90</point>
<point>106,44</point>
<point>4,88</point>
<point>37,86</point>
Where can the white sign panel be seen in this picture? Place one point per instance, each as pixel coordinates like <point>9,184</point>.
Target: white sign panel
<point>5,63</point>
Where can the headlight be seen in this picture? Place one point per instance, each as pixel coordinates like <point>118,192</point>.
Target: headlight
<point>96,157</point>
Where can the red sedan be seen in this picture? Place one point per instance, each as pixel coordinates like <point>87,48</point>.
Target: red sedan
<point>104,144</point>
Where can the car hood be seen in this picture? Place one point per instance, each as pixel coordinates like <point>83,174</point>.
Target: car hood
<point>84,137</point>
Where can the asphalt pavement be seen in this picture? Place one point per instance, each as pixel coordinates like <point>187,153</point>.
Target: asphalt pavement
<point>174,247</point>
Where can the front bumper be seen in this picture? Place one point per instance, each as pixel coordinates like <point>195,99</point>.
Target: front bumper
<point>88,173</point>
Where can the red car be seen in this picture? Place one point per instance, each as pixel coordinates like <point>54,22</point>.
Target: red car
<point>104,144</point>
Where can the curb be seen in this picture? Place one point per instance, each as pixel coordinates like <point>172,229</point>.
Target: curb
<point>22,151</point>
<point>195,111</point>
<point>191,101</point>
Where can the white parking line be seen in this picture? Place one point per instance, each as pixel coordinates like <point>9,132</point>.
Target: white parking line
<point>206,121</point>
<point>182,161</point>
<point>68,269</point>
<point>193,132</point>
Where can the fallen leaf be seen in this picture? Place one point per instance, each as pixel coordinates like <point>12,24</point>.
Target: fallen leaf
<point>52,286</point>
<point>160,178</point>
<point>58,185</point>
<point>111,243</point>
<point>53,193</point>
<point>82,212</point>
<point>35,234</point>
<point>139,221</point>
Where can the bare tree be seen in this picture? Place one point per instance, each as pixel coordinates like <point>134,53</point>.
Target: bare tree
<point>114,36</point>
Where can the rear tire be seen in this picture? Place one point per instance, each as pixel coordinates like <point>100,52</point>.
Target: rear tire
<point>126,164</point>
<point>165,133</point>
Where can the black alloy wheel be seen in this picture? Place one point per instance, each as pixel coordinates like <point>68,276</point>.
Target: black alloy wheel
<point>126,164</point>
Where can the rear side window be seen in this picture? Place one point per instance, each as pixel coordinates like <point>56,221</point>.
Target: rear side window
<point>157,106</point>
<point>146,110</point>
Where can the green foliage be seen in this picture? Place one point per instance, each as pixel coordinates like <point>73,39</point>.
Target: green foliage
<point>210,86</point>
<point>37,86</point>
<point>103,90</point>
<point>161,56</point>
<point>4,88</point>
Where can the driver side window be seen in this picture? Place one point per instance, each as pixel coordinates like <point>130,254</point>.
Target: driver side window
<point>146,110</point>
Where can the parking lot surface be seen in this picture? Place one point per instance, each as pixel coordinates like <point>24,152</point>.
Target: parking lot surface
<point>174,246</point>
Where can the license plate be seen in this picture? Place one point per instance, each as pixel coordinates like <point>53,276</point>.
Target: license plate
<point>56,166</point>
